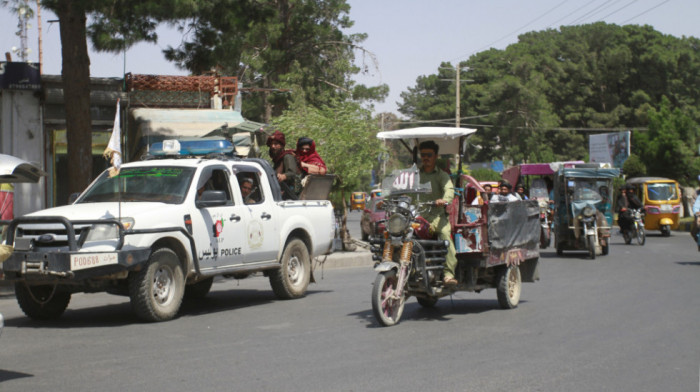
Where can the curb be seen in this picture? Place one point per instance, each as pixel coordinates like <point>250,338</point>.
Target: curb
<point>336,260</point>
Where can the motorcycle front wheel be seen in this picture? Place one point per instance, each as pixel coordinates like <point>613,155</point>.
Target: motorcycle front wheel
<point>386,307</point>
<point>641,236</point>
<point>591,246</point>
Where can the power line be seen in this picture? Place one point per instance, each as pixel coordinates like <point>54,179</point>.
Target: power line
<point>587,14</point>
<point>619,9</point>
<point>652,8</point>
<point>571,13</point>
<point>515,31</point>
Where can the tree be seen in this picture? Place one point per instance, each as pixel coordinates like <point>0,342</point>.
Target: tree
<point>276,48</point>
<point>116,26</point>
<point>532,97</point>
<point>634,167</point>
<point>345,136</point>
<point>670,145</point>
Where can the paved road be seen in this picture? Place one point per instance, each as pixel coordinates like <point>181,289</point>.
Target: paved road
<point>625,322</point>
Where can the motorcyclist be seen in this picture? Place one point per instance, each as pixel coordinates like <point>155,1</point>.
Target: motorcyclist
<point>627,200</point>
<point>442,194</point>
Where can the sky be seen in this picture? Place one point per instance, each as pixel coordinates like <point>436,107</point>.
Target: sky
<point>407,38</point>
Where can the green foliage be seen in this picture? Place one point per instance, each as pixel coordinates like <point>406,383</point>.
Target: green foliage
<point>670,145</point>
<point>345,138</point>
<point>278,49</point>
<point>485,174</point>
<point>532,97</point>
<point>634,167</point>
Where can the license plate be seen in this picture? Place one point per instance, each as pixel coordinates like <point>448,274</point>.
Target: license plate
<point>91,260</point>
<point>666,208</point>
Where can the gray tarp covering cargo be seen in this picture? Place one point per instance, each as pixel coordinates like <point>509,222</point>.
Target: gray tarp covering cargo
<point>514,224</point>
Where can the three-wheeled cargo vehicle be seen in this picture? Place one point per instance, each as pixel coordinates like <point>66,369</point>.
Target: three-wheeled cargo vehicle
<point>496,243</point>
<point>583,214</point>
<point>661,198</point>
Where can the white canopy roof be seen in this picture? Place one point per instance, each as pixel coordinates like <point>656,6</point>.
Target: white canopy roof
<point>16,170</point>
<point>443,136</point>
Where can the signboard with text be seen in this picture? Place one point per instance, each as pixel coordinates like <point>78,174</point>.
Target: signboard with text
<point>613,148</point>
<point>19,76</point>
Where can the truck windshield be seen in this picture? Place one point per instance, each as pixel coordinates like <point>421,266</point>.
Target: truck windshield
<point>147,184</point>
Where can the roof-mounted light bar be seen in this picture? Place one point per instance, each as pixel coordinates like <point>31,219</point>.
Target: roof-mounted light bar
<point>191,147</point>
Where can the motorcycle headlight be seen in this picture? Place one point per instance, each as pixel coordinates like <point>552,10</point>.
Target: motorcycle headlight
<point>397,224</point>
<point>588,211</point>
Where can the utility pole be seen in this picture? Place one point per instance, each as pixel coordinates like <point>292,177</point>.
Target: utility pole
<point>457,72</point>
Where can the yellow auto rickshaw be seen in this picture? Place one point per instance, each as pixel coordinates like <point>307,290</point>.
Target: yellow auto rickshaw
<point>662,202</point>
<point>358,200</point>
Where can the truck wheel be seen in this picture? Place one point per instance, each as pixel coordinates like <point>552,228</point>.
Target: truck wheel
<point>666,230</point>
<point>292,279</point>
<point>41,302</point>
<point>509,287</point>
<point>198,290</point>
<point>156,291</point>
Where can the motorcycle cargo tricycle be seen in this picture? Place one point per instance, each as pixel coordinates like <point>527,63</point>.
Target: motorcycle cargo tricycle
<point>583,209</point>
<point>497,244</point>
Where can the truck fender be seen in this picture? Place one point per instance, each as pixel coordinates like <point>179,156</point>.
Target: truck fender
<point>386,266</point>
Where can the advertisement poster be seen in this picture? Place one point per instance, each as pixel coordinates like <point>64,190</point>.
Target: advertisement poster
<point>611,148</point>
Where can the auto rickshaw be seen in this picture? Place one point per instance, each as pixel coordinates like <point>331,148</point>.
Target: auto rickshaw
<point>661,198</point>
<point>583,214</point>
<point>358,200</point>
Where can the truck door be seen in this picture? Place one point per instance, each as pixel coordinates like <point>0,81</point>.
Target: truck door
<point>217,230</point>
<point>261,227</point>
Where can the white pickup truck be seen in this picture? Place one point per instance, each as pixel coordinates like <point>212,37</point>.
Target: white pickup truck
<point>161,230</point>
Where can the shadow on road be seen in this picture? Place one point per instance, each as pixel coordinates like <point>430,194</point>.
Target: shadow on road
<point>7,375</point>
<point>444,308</point>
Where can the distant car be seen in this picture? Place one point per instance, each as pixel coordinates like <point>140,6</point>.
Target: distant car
<point>372,220</point>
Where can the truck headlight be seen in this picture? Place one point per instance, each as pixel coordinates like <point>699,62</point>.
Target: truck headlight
<point>107,231</point>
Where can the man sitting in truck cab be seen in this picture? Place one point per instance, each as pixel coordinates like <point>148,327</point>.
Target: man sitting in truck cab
<point>248,190</point>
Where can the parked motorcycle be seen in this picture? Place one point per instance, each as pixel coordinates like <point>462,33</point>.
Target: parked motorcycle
<point>636,228</point>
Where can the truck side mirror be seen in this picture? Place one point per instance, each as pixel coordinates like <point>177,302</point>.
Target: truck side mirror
<point>211,199</point>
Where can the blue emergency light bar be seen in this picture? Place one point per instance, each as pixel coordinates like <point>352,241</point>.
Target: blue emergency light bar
<point>191,147</point>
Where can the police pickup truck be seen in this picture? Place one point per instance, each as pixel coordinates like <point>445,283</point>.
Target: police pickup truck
<point>163,228</point>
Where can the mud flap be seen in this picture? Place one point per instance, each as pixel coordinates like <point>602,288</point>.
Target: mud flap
<point>529,271</point>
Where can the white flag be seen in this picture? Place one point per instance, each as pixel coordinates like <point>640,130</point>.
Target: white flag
<point>113,152</point>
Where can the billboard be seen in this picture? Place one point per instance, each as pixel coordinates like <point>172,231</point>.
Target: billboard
<point>613,148</point>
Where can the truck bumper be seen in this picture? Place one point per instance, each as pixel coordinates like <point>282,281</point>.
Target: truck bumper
<point>68,266</point>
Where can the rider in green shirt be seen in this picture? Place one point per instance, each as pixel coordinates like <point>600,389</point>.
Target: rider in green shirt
<point>442,194</point>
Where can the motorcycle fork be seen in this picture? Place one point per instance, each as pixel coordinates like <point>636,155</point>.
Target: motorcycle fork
<point>404,261</point>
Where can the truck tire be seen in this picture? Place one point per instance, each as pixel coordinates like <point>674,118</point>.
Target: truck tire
<point>156,291</point>
<point>41,302</point>
<point>509,287</point>
<point>199,290</point>
<point>292,279</point>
